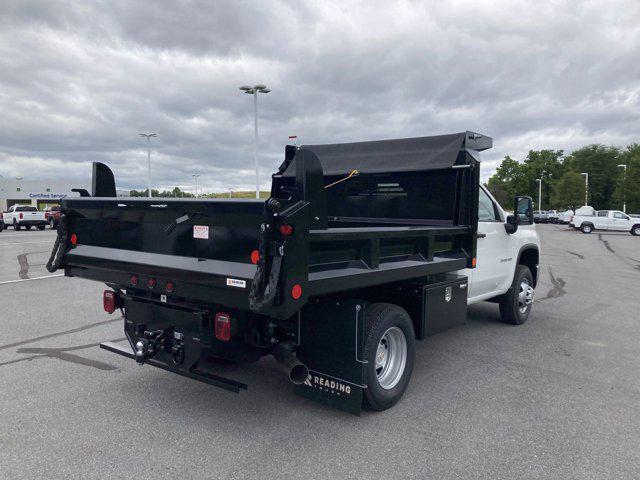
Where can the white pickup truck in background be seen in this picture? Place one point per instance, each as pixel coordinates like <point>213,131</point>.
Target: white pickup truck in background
<point>607,220</point>
<point>26,216</point>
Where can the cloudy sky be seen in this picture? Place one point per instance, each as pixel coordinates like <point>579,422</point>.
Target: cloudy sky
<point>80,80</point>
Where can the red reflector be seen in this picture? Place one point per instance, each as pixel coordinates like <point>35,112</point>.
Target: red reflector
<point>223,326</point>
<point>74,239</point>
<point>286,230</point>
<point>296,291</point>
<point>255,256</point>
<point>151,283</point>
<point>134,279</point>
<point>169,286</point>
<point>109,301</point>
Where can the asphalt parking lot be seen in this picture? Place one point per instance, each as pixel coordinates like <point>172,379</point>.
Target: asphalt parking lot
<point>558,397</point>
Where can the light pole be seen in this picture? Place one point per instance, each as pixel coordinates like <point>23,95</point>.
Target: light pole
<point>586,188</point>
<point>148,137</point>
<point>254,91</point>
<point>624,186</point>
<point>230,191</point>
<point>539,180</point>
<point>195,176</point>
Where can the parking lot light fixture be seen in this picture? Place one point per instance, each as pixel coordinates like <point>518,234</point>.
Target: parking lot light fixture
<point>148,137</point>
<point>624,199</point>
<point>195,176</point>
<point>259,88</point>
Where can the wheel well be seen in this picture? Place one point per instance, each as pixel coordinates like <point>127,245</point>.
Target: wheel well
<point>530,258</point>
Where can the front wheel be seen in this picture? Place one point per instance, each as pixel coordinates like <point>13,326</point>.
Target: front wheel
<point>390,352</point>
<point>586,228</point>
<point>515,305</point>
<point>635,230</point>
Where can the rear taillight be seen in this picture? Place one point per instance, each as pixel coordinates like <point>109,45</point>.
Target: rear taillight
<point>21,215</point>
<point>151,283</point>
<point>134,280</point>
<point>223,326</point>
<point>74,239</point>
<point>169,287</point>
<point>255,257</point>
<point>110,301</point>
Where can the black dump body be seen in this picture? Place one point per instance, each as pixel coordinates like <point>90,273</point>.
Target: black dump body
<point>410,212</point>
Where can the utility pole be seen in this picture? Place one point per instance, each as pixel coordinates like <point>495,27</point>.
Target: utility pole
<point>148,137</point>
<point>254,91</point>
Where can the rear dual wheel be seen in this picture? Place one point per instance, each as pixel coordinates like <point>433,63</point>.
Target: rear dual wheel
<point>390,352</point>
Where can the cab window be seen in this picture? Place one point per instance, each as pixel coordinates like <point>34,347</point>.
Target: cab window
<point>486,210</point>
<point>620,215</point>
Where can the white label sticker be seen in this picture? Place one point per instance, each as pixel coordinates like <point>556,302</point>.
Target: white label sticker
<point>201,231</point>
<point>163,298</point>
<point>234,282</point>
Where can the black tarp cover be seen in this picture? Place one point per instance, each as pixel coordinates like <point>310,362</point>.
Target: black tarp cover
<point>401,155</point>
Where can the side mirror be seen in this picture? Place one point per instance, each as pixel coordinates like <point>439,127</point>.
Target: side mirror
<point>512,224</point>
<point>523,214</point>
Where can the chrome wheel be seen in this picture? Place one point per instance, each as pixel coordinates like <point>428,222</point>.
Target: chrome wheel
<point>525,295</point>
<point>391,358</point>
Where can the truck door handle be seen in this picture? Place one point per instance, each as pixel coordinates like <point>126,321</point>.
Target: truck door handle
<point>480,235</point>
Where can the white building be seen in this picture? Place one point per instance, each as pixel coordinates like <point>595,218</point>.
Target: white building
<point>39,193</point>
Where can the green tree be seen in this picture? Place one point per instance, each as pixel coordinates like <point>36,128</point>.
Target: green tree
<point>601,163</point>
<point>508,180</point>
<point>628,185</point>
<point>547,165</point>
<point>568,191</point>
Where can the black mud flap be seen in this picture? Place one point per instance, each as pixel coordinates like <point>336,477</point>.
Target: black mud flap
<point>332,335</point>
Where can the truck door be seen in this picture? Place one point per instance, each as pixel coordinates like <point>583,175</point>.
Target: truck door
<point>601,220</point>
<point>494,260</point>
<point>619,221</point>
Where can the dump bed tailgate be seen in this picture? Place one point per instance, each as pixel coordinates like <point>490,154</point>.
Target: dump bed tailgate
<point>203,247</point>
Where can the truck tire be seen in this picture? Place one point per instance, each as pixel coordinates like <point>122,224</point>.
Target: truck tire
<point>28,227</point>
<point>16,225</point>
<point>586,228</point>
<point>41,227</point>
<point>635,230</point>
<point>1,225</point>
<point>390,351</point>
<point>515,305</point>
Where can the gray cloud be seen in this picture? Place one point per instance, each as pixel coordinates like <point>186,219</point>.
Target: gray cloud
<point>79,80</point>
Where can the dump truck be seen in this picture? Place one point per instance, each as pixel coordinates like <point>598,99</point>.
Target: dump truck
<point>361,250</point>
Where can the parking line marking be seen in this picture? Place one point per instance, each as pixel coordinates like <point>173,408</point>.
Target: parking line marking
<point>29,279</point>
<point>23,243</point>
<point>41,234</point>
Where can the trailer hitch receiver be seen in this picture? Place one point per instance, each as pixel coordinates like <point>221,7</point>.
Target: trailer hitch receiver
<point>151,342</point>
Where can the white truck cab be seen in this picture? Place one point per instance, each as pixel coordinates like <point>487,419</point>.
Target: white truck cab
<point>26,216</point>
<point>614,220</point>
<point>507,258</point>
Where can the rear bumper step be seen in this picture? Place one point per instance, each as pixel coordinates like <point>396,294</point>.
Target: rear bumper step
<point>205,377</point>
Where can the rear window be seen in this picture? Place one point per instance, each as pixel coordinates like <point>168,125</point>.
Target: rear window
<point>26,209</point>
